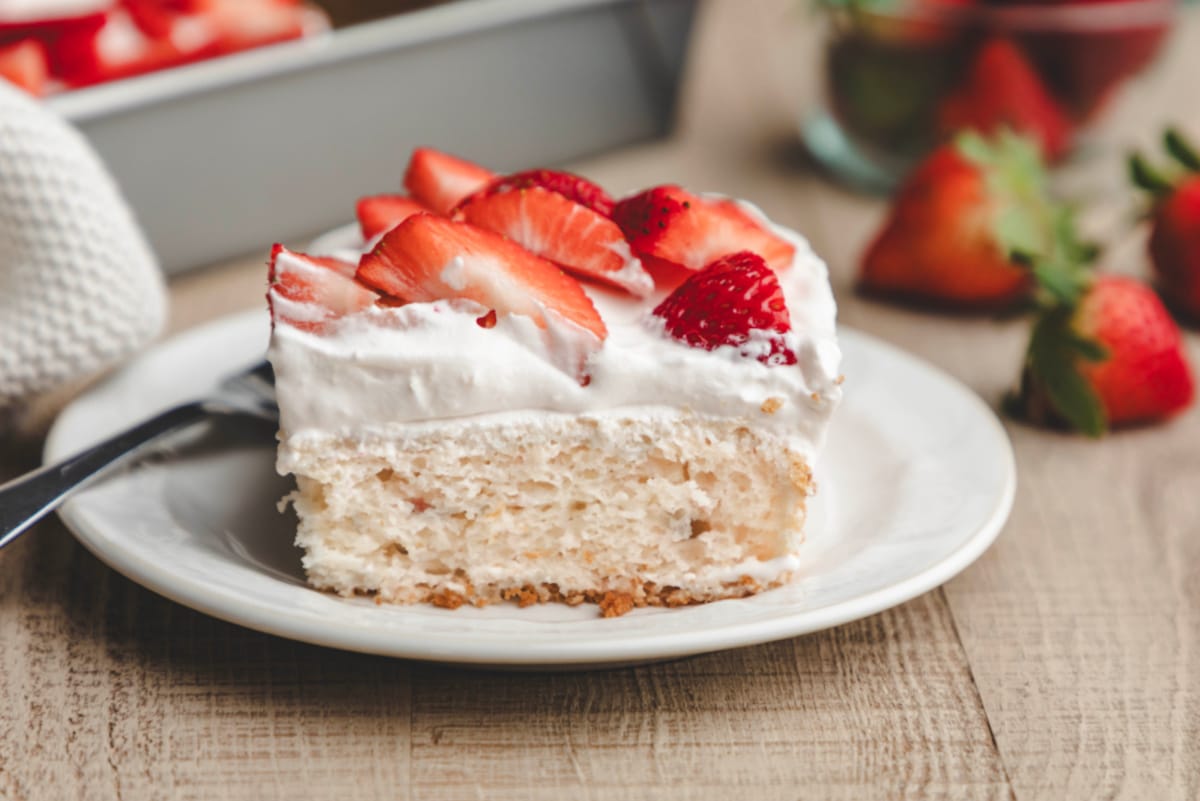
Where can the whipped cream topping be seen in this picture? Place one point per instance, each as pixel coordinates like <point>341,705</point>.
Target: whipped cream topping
<point>385,368</point>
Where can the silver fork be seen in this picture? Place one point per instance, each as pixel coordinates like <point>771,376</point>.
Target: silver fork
<point>28,498</point>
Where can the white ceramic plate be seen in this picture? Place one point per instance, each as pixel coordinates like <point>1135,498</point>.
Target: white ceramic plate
<point>917,480</point>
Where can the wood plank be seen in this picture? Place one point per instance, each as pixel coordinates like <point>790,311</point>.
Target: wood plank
<point>111,692</point>
<point>882,708</point>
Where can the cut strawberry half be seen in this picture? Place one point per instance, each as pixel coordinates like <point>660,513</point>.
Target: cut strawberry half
<point>439,180</point>
<point>307,292</point>
<point>379,213</point>
<point>735,301</point>
<point>427,258</point>
<point>673,225</point>
<point>24,64</point>
<point>569,185</point>
<point>567,233</point>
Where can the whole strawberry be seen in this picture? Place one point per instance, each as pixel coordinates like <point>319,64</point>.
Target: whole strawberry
<point>956,223</point>
<point>1001,89</point>
<point>1103,352</point>
<point>1175,223</point>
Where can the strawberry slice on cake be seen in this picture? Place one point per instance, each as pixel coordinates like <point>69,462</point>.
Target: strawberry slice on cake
<point>671,225</point>
<point>440,181</point>
<point>734,302</point>
<point>564,228</point>
<point>378,214</point>
<point>308,292</point>
<point>427,258</point>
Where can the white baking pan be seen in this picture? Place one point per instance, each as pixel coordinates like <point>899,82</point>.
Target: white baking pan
<point>221,158</point>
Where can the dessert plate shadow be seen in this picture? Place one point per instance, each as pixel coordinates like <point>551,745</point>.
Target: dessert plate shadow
<point>916,482</point>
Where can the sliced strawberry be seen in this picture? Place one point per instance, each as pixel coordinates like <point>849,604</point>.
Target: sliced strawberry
<point>14,25</point>
<point>155,18</point>
<point>24,64</point>
<point>666,274</point>
<point>379,213</point>
<point>570,186</point>
<point>439,180</point>
<point>307,292</point>
<point>245,24</point>
<point>428,258</point>
<point>671,224</point>
<point>120,49</point>
<point>567,233</point>
<point>727,301</point>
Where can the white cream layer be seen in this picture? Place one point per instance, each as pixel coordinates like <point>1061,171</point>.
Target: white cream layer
<point>381,371</point>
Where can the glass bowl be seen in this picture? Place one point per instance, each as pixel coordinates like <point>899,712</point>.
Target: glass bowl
<point>902,76</point>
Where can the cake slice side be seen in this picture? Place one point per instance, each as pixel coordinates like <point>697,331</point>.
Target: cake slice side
<point>621,509</point>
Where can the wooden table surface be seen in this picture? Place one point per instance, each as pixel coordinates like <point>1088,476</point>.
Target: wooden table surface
<point>1064,664</point>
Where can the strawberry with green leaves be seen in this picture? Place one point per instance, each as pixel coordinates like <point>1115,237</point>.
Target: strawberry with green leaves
<point>956,222</point>
<point>1175,220</point>
<point>1103,352</point>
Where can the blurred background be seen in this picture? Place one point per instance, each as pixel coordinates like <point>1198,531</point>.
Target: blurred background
<point>233,122</point>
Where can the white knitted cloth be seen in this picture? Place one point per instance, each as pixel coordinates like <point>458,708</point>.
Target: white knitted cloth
<point>79,287</point>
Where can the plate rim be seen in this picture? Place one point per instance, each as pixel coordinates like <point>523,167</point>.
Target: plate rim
<point>265,618</point>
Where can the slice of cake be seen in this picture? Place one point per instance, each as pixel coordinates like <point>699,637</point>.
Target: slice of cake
<point>540,395</point>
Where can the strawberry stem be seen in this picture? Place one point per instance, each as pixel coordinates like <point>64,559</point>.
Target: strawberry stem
<point>1053,387</point>
<point>1053,361</point>
<point>1181,149</point>
<point>1147,178</point>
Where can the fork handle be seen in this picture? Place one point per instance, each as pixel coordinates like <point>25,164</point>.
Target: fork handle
<point>28,498</point>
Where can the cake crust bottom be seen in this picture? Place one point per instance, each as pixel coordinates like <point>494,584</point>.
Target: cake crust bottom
<point>611,602</point>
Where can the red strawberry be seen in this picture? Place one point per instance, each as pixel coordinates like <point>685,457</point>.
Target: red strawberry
<point>567,233</point>
<point>245,24</point>
<point>428,258</point>
<point>726,301</point>
<point>155,18</point>
<point>46,29</point>
<point>1001,89</point>
<point>1109,355</point>
<point>84,56</point>
<point>1146,375</point>
<point>379,213</point>
<point>23,63</point>
<point>439,180</point>
<point>956,222</point>
<point>1175,221</point>
<point>669,224</point>
<point>570,186</point>
<point>307,292</point>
